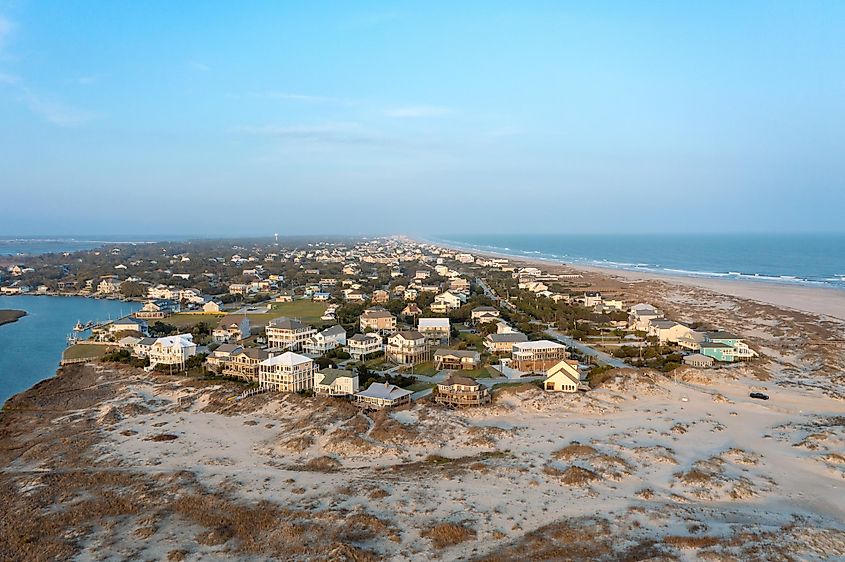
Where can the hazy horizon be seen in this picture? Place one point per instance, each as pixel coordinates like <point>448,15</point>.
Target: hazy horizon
<point>370,118</point>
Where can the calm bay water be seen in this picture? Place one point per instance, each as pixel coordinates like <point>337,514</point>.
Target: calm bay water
<point>808,259</point>
<point>35,245</point>
<point>31,348</point>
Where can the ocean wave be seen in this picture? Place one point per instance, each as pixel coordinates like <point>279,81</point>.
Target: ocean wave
<point>830,280</point>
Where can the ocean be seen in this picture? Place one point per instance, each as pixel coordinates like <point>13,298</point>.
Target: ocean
<point>31,348</point>
<point>802,259</point>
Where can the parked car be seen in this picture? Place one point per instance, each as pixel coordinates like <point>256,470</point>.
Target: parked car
<point>759,396</point>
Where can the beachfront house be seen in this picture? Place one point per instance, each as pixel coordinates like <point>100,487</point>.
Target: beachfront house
<point>325,341</point>
<point>407,347</point>
<point>383,395</point>
<point>460,359</point>
<point>335,382</point>
<point>288,372</point>
<point>287,334</point>
<point>563,377</point>
<point>245,363</point>
<point>362,346</point>
<point>221,355</point>
<point>536,356</point>
<point>172,351</point>
<point>698,361</point>
<point>727,347</point>
<point>461,391</point>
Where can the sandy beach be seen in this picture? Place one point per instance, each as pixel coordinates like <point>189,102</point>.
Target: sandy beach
<point>815,300</point>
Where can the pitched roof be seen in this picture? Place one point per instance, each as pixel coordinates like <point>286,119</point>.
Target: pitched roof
<point>331,375</point>
<point>409,335</point>
<point>230,319</point>
<point>285,323</point>
<point>384,391</point>
<point>433,323</point>
<point>335,330</point>
<point>255,353</point>
<point>365,337</point>
<point>226,348</point>
<point>287,359</point>
<point>376,312</point>
<point>452,380</point>
<point>540,344</point>
<point>508,337</point>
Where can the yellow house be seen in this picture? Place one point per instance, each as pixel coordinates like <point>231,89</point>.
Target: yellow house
<point>563,377</point>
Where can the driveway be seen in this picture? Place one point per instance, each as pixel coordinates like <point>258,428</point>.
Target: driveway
<point>599,356</point>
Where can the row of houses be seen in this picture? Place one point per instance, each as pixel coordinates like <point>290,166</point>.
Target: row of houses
<point>707,346</point>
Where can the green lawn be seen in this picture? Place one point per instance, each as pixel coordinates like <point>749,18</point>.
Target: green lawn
<point>85,350</point>
<point>305,310</point>
<point>419,386</point>
<point>426,368</point>
<point>479,373</point>
<point>189,319</point>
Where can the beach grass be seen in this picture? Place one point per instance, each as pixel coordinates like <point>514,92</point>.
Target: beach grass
<point>85,351</point>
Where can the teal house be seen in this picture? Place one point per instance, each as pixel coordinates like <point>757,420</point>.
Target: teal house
<point>725,347</point>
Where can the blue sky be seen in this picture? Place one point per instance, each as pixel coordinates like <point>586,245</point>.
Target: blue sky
<point>352,117</point>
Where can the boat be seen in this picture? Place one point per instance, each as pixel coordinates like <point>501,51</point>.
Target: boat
<point>79,327</point>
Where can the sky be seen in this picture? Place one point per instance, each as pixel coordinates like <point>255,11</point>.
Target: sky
<point>224,118</point>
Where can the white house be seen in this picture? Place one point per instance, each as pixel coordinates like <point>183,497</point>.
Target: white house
<point>641,314</point>
<point>382,395</point>
<point>172,351</point>
<point>536,356</point>
<point>335,382</point>
<point>563,377</point>
<point>482,314</point>
<point>324,341</point>
<point>437,331</point>
<point>288,372</point>
<point>231,329</point>
<point>287,333</point>
<point>361,346</point>
<point>446,302</point>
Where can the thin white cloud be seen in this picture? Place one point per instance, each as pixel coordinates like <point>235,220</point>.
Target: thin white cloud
<point>297,97</point>
<point>6,28</point>
<point>87,80</point>
<point>344,133</point>
<point>418,111</point>
<point>54,111</point>
<point>198,66</point>
<point>9,79</point>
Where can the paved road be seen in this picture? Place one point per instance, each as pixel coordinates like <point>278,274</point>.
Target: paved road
<point>599,356</point>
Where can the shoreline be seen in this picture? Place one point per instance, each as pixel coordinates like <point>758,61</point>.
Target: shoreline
<point>10,316</point>
<point>822,301</point>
